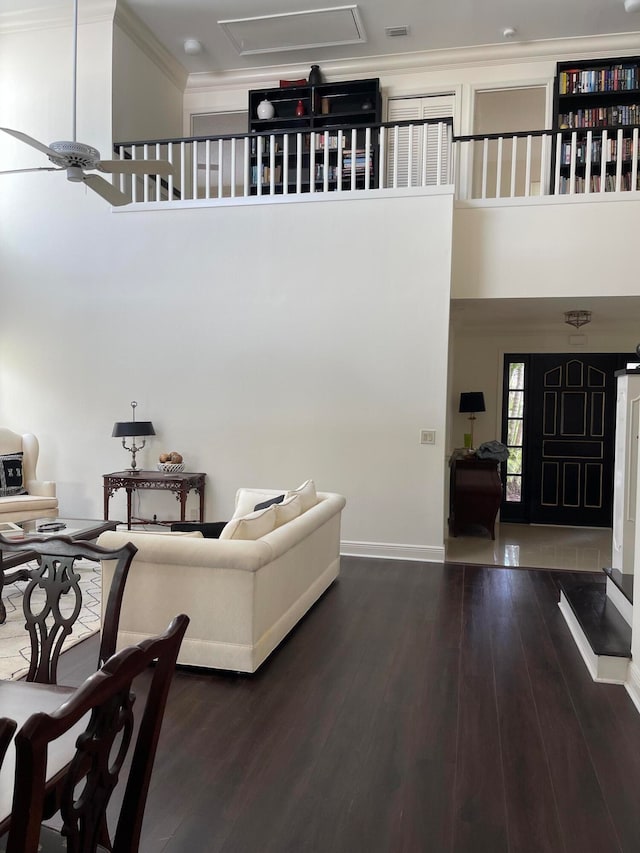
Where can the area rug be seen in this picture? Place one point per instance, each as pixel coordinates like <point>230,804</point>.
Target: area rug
<point>15,649</point>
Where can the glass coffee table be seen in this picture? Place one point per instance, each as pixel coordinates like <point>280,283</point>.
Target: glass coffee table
<point>84,529</point>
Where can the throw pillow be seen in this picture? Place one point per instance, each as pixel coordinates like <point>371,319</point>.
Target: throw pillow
<point>288,510</point>
<point>251,526</point>
<point>246,500</point>
<point>265,504</point>
<point>307,492</point>
<point>11,477</point>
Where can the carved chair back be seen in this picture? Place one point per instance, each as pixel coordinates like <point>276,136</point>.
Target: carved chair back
<point>100,755</point>
<point>7,730</point>
<point>51,622</point>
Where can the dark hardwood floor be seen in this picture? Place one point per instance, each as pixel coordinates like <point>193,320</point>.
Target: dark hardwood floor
<point>417,708</point>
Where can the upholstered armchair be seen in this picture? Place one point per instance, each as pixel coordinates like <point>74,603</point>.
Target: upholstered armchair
<point>38,497</point>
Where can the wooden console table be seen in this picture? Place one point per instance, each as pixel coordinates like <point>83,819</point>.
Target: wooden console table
<point>475,494</point>
<point>181,484</point>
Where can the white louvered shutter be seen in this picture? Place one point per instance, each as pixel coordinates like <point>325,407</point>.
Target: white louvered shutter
<point>422,152</point>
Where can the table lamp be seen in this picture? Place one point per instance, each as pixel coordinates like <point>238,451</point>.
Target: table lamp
<point>132,429</point>
<point>471,402</point>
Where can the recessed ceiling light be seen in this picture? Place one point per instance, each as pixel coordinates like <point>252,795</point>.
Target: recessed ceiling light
<point>192,46</point>
<point>509,32</point>
<point>394,32</point>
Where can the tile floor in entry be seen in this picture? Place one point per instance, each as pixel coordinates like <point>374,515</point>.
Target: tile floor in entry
<point>534,546</point>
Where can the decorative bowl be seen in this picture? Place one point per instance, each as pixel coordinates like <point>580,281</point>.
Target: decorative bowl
<point>170,467</point>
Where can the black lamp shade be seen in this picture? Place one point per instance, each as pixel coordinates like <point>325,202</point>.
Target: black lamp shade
<point>129,429</point>
<point>472,402</point>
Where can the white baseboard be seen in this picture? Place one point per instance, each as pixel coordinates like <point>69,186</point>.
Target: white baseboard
<point>602,668</point>
<point>386,551</point>
<point>632,684</point>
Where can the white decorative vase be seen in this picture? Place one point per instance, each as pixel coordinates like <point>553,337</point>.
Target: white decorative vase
<point>265,109</point>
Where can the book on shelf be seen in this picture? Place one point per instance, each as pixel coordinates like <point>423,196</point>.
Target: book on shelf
<point>613,78</point>
<point>620,115</point>
<point>266,174</point>
<point>266,145</point>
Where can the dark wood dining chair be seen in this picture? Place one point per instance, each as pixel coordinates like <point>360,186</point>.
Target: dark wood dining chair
<point>100,754</point>
<point>49,624</point>
<point>7,730</point>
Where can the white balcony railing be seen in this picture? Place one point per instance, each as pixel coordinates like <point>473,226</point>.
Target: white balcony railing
<point>400,156</point>
<point>543,163</point>
<point>340,159</point>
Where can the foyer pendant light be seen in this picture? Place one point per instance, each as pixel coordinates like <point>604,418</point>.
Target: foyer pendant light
<point>577,318</point>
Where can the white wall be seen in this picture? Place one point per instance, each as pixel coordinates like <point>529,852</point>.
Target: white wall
<point>146,103</point>
<point>266,343</point>
<point>36,93</point>
<point>538,247</point>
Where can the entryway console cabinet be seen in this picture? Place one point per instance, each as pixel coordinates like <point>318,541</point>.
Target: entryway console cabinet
<point>596,95</point>
<point>329,107</point>
<point>475,493</point>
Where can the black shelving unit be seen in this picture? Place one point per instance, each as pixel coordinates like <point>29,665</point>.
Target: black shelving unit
<point>596,95</point>
<point>329,107</point>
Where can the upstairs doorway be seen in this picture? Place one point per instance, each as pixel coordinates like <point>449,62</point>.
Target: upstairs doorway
<point>558,421</point>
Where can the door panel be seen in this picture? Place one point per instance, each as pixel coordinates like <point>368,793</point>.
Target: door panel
<point>570,422</point>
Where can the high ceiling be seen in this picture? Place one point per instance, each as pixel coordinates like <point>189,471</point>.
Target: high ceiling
<point>432,26</point>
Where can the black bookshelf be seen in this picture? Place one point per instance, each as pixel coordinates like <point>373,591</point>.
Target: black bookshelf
<point>596,95</point>
<point>329,107</point>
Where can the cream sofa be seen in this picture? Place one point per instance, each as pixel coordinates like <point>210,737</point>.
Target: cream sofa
<point>40,500</point>
<point>243,596</point>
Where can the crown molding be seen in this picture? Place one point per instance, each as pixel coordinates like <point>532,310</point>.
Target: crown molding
<point>59,15</point>
<point>432,60</point>
<point>144,39</point>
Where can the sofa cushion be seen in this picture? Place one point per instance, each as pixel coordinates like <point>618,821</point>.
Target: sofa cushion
<point>46,507</point>
<point>307,493</point>
<point>11,476</point>
<point>289,509</point>
<point>251,526</point>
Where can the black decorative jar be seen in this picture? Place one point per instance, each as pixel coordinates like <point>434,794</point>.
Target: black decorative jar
<point>315,76</point>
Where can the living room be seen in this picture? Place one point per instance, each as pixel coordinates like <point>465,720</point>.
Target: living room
<point>269,343</point>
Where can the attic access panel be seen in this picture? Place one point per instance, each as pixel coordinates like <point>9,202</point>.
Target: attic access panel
<point>295,30</point>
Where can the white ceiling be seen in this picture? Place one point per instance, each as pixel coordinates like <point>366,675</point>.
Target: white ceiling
<point>432,26</point>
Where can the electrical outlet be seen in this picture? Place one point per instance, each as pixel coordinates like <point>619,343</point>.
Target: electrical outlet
<point>427,436</point>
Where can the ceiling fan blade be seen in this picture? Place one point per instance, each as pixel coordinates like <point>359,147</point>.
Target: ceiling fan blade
<point>23,137</point>
<point>137,167</point>
<point>106,190</point>
<point>34,169</point>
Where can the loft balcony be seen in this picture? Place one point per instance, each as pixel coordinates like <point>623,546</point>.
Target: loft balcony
<point>389,158</point>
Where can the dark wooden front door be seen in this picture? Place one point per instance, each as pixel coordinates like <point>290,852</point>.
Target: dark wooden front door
<point>571,423</point>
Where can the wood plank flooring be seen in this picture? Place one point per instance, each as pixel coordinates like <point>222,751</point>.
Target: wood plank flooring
<point>418,708</point>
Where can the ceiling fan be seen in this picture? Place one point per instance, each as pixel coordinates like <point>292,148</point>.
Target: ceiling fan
<point>80,160</point>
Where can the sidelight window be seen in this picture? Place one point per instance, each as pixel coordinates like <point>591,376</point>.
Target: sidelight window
<point>514,429</point>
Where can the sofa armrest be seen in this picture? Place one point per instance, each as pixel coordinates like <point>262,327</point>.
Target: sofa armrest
<point>42,488</point>
<point>283,538</point>
<point>167,548</point>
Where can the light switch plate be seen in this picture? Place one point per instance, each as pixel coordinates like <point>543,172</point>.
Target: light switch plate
<point>427,436</point>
